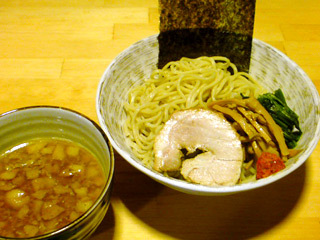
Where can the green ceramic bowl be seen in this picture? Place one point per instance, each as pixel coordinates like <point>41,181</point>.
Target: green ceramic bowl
<point>28,123</point>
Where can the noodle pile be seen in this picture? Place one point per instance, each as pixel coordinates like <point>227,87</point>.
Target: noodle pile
<point>179,85</point>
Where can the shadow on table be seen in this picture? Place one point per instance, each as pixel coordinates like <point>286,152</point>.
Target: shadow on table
<point>131,185</point>
<point>106,228</point>
<point>238,216</point>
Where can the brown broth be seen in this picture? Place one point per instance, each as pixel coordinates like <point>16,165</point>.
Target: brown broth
<point>44,185</point>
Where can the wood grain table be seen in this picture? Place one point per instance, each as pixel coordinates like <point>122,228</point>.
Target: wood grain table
<point>53,52</point>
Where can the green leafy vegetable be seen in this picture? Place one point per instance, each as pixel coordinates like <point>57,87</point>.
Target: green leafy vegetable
<point>287,119</point>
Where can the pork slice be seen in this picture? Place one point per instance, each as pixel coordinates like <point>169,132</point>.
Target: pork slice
<point>206,169</point>
<point>195,129</point>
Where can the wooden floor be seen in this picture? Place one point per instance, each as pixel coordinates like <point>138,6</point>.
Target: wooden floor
<point>54,52</point>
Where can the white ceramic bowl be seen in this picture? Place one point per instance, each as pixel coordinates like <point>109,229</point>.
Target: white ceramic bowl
<point>268,65</point>
<point>29,123</point>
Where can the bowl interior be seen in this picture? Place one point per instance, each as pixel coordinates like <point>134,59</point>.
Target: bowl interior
<point>268,65</point>
<point>46,122</point>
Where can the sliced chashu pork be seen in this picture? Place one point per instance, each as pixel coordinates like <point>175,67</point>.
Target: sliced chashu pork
<point>209,131</point>
<point>206,169</point>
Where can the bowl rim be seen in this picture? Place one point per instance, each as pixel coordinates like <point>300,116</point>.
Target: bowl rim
<point>109,177</point>
<point>197,188</point>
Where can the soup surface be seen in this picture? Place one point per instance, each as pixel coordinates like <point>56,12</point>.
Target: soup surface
<point>44,185</point>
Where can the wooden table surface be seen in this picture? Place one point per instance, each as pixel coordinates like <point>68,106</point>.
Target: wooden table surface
<point>54,52</point>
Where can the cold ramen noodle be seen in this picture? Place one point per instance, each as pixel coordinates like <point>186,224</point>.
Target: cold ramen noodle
<point>46,184</point>
<point>203,121</point>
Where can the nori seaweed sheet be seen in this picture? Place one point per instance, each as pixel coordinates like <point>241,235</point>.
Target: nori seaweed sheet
<point>194,28</point>
<point>198,42</point>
